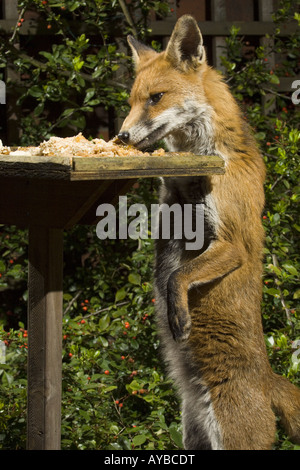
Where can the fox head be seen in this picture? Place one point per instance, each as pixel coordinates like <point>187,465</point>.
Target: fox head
<point>167,93</point>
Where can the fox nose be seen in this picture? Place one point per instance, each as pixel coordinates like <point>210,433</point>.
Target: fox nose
<point>124,136</point>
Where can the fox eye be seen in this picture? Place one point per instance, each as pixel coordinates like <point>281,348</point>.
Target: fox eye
<point>155,98</point>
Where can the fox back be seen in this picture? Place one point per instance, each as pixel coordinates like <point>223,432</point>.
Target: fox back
<point>208,300</point>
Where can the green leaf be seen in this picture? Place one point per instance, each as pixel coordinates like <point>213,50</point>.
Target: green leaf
<point>272,291</point>
<point>134,278</point>
<point>2,266</point>
<point>74,6</point>
<point>89,94</point>
<point>110,388</point>
<point>39,109</point>
<point>291,269</point>
<point>103,341</point>
<point>139,439</point>
<point>104,322</point>
<point>133,386</point>
<point>175,434</point>
<point>275,269</point>
<point>115,446</point>
<point>67,112</point>
<point>48,55</point>
<point>297,294</point>
<point>120,294</point>
<point>35,91</point>
<point>274,79</point>
<point>276,218</point>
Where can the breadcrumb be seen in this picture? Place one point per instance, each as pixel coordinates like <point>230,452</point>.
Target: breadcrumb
<point>80,146</point>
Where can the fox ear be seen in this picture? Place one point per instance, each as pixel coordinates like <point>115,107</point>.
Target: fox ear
<point>185,49</point>
<point>139,50</point>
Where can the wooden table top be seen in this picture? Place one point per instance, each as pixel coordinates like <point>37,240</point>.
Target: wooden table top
<point>77,168</point>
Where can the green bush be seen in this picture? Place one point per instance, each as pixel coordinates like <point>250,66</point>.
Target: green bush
<point>115,391</point>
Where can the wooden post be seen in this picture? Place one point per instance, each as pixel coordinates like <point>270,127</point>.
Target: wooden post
<point>45,338</point>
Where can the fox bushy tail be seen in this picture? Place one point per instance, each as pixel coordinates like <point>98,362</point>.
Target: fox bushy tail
<point>286,403</point>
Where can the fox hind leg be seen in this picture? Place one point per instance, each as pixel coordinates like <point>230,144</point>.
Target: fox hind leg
<point>200,428</point>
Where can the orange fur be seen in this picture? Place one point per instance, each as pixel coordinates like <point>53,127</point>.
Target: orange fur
<point>209,301</point>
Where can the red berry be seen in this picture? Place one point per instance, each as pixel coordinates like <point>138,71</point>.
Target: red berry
<point>70,354</point>
<point>106,372</point>
<point>82,321</point>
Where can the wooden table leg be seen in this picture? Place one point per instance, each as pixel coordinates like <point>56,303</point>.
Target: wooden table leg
<point>45,281</point>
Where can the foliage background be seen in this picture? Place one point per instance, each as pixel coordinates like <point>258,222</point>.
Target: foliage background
<point>115,391</point>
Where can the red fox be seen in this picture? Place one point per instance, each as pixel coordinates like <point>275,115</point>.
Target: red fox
<point>209,300</point>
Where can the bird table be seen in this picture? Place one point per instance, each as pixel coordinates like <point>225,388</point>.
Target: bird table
<point>47,195</point>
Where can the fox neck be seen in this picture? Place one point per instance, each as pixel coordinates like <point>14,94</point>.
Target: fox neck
<point>195,136</point>
<point>214,126</point>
